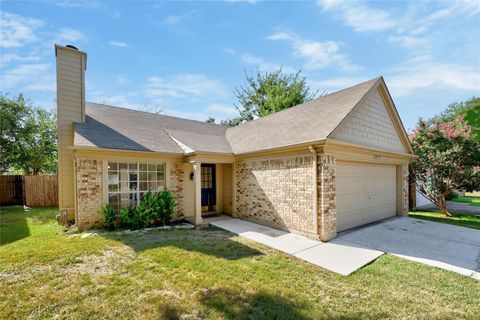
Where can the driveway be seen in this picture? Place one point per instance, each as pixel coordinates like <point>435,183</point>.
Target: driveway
<point>436,244</point>
<point>444,246</point>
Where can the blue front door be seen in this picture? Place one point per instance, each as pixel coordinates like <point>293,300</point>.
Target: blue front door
<point>208,187</point>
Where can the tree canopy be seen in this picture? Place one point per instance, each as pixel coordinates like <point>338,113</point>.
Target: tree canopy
<point>448,155</point>
<point>27,137</point>
<point>269,92</point>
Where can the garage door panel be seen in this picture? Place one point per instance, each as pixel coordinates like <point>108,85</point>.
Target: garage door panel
<point>365,193</point>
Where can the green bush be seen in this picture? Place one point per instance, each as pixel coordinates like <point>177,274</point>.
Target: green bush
<point>154,209</point>
<point>452,194</point>
<point>110,215</point>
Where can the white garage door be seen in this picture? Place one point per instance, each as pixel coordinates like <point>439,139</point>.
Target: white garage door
<point>365,193</point>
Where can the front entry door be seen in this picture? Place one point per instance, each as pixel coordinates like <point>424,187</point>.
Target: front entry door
<point>208,188</point>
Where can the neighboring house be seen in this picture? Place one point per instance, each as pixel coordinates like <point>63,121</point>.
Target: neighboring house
<point>330,164</point>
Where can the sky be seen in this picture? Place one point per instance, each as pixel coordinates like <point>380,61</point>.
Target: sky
<point>186,58</point>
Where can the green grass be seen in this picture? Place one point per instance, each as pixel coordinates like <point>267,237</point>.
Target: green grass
<point>473,201</point>
<point>204,274</point>
<point>458,219</point>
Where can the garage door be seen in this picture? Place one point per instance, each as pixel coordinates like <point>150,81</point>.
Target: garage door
<point>365,193</point>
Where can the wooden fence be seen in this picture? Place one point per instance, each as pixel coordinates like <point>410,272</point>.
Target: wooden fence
<point>35,191</point>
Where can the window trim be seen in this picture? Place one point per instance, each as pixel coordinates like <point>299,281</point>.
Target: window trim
<point>149,161</point>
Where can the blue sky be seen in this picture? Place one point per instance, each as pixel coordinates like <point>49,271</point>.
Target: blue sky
<point>185,58</point>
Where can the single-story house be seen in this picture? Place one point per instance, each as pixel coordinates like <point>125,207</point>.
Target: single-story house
<point>327,165</point>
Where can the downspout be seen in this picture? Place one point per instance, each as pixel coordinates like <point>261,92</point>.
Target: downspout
<point>315,189</point>
<point>74,157</point>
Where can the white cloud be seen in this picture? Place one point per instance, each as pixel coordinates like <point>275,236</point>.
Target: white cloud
<point>16,30</point>
<point>185,85</point>
<point>423,74</point>
<point>32,77</point>
<point>263,65</point>
<point>359,15</point>
<point>222,108</point>
<point>172,19</point>
<point>86,4</point>
<point>120,79</point>
<point>118,43</point>
<point>317,54</point>
<point>68,34</point>
<point>334,84</point>
<point>6,58</point>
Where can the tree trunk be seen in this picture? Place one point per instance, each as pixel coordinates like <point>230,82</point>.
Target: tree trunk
<point>443,206</point>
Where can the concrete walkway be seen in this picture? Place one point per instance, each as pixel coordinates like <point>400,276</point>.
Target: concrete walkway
<point>440,245</point>
<point>334,255</point>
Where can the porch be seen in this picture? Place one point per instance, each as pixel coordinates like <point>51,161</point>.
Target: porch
<point>208,187</point>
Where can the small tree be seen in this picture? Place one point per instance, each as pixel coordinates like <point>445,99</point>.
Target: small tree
<point>448,158</point>
<point>267,93</point>
<point>27,137</point>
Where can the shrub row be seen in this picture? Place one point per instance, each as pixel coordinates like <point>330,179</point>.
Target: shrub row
<point>154,209</point>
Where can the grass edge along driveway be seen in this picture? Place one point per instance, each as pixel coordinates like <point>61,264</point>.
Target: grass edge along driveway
<point>203,274</point>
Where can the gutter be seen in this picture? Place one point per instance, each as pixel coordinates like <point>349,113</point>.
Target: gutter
<point>315,188</point>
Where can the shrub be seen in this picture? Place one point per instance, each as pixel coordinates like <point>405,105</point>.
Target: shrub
<point>154,209</point>
<point>451,195</point>
<point>110,215</point>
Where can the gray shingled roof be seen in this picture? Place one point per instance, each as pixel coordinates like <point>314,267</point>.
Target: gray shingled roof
<point>311,121</point>
<point>119,128</point>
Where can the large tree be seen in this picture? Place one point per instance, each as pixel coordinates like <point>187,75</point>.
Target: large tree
<point>27,137</point>
<point>448,158</point>
<point>269,92</point>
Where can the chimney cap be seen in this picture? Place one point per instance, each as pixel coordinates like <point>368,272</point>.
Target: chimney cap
<point>71,46</point>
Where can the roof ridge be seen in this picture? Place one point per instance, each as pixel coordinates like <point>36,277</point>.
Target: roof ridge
<point>305,102</point>
<point>155,114</point>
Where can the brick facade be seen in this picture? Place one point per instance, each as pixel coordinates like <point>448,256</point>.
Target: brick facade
<point>327,212</point>
<point>404,190</point>
<point>175,184</point>
<point>89,193</point>
<point>277,192</point>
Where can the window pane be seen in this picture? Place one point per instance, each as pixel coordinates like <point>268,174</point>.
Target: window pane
<point>124,175</point>
<point>152,186</point>
<point>133,176</point>
<point>113,198</point>
<point>143,186</point>
<point>143,176</point>
<point>152,167</point>
<point>123,186</point>
<point>142,195</point>
<point>132,166</point>
<point>113,187</point>
<point>160,167</point>
<point>125,198</point>
<point>152,176</point>
<point>143,167</point>
<point>133,186</point>
<point>160,185</point>
<point>112,177</point>
<point>160,176</point>
<point>123,166</point>
<point>112,166</point>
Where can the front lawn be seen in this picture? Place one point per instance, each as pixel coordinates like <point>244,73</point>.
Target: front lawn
<point>197,274</point>
<point>458,219</point>
<point>473,201</point>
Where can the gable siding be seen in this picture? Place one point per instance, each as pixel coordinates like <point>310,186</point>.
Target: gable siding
<point>370,125</point>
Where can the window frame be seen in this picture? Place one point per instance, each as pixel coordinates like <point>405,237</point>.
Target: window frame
<point>107,192</point>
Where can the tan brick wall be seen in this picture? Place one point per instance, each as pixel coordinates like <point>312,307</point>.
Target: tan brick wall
<point>175,184</point>
<point>327,211</point>
<point>404,190</point>
<point>89,193</point>
<point>277,192</point>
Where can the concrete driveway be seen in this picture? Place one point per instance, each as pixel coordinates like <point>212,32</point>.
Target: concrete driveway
<point>441,245</point>
<point>436,244</point>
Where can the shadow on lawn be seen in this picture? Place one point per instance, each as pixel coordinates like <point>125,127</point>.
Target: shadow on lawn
<point>233,304</point>
<point>13,224</point>
<point>211,241</point>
